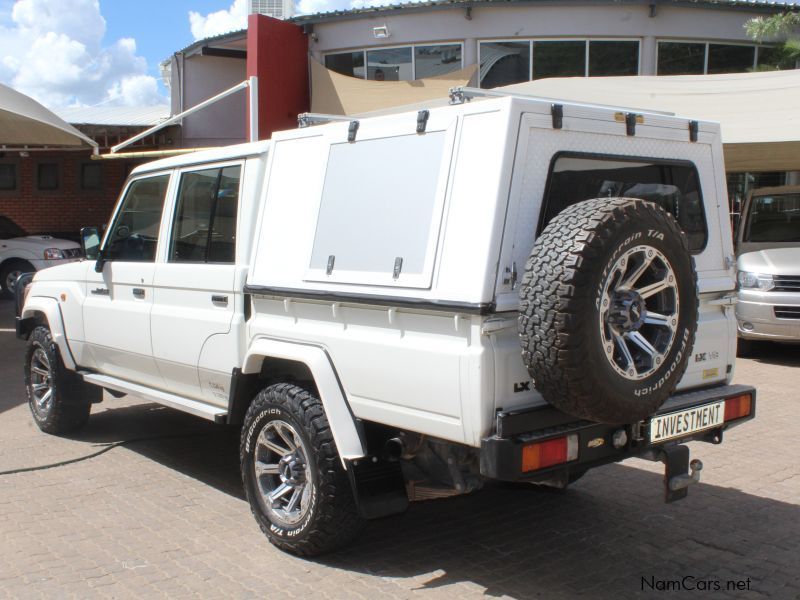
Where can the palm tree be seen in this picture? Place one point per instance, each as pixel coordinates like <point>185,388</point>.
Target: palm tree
<point>782,28</point>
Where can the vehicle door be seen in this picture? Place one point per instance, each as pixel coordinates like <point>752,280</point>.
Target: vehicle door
<point>194,297</point>
<point>116,311</point>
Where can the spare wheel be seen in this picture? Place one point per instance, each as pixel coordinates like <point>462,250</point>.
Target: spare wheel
<point>608,309</point>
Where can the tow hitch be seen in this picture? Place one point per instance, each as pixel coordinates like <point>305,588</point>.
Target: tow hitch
<point>677,477</point>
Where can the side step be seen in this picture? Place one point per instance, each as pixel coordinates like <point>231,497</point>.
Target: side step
<point>200,409</point>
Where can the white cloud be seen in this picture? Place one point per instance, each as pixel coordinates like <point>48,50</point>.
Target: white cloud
<point>53,51</point>
<point>222,21</point>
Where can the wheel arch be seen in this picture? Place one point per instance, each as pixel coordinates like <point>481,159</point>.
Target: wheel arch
<point>42,310</point>
<point>269,359</point>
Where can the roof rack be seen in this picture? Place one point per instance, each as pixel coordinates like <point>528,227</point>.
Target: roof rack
<point>462,94</point>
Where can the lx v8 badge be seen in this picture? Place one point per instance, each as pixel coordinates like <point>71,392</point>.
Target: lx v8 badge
<point>523,386</point>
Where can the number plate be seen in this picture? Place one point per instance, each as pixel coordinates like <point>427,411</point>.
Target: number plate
<point>678,424</point>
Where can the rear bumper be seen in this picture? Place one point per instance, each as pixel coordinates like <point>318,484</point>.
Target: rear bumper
<point>501,454</point>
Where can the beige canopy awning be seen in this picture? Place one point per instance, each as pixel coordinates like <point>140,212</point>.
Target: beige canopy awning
<point>759,112</point>
<point>336,94</point>
<point>25,122</point>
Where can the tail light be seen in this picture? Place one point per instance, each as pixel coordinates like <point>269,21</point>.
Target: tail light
<point>738,407</point>
<point>556,451</point>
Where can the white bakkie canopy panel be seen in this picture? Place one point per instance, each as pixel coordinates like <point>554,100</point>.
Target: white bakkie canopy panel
<point>434,217</point>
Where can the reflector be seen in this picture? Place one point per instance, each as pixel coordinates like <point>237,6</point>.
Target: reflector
<point>737,407</point>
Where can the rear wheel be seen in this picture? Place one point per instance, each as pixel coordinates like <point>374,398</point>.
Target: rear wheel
<point>297,488</point>
<point>60,401</point>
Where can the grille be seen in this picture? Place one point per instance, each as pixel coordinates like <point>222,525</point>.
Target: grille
<point>786,283</point>
<point>787,312</point>
<point>72,252</point>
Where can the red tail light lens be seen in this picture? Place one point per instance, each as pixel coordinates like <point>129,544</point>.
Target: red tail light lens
<point>738,407</point>
<point>540,455</point>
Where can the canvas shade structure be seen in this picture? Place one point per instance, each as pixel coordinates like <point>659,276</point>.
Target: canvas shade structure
<point>759,113</point>
<point>24,122</point>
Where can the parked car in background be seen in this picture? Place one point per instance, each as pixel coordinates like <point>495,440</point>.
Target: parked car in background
<point>22,253</point>
<point>768,263</point>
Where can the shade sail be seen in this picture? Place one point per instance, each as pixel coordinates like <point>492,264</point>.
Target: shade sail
<point>25,122</point>
<point>759,112</point>
<point>336,94</point>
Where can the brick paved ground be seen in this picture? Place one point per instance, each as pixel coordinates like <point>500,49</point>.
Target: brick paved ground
<point>165,517</point>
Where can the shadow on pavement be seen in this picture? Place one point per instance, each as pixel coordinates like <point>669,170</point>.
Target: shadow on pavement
<point>12,352</point>
<point>773,353</point>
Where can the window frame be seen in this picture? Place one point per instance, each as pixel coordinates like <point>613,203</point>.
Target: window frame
<point>413,47</point>
<point>586,42</point>
<point>79,177</point>
<point>16,164</point>
<point>707,43</point>
<point>175,199</point>
<point>58,191</point>
<point>671,162</point>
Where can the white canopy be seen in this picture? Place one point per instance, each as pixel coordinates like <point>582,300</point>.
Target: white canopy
<point>25,122</point>
<point>759,112</point>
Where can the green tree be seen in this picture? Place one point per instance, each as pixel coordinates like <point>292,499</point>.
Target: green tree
<point>781,28</point>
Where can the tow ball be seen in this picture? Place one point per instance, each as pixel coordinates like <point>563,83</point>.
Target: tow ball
<point>679,473</point>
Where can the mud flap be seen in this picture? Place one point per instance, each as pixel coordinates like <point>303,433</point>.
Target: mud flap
<point>378,486</point>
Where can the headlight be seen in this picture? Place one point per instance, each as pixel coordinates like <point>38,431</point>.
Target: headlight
<point>53,254</point>
<point>755,281</point>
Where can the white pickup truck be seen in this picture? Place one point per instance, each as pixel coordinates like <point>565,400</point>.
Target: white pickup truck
<point>402,307</point>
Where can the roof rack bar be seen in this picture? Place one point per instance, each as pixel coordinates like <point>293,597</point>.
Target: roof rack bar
<point>308,119</point>
<point>462,94</point>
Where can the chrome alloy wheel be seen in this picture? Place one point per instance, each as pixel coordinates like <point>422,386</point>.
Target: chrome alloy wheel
<point>41,385</point>
<point>282,473</point>
<point>639,312</point>
<point>11,279</point>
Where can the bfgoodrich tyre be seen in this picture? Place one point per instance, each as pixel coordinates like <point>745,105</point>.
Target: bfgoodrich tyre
<point>293,478</point>
<point>608,309</point>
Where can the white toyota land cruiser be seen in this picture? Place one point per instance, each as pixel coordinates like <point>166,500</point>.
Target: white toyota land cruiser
<point>405,306</point>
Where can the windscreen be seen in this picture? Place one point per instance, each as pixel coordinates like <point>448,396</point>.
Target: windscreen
<point>773,218</point>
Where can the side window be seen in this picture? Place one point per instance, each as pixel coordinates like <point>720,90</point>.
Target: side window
<point>673,186</point>
<point>204,228</point>
<point>134,235</point>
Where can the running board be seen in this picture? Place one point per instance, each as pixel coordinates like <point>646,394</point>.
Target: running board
<point>200,409</point>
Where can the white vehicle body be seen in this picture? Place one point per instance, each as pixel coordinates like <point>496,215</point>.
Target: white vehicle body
<point>768,261</point>
<point>379,262</point>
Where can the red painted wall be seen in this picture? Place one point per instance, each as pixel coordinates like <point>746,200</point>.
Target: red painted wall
<point>277,53</point>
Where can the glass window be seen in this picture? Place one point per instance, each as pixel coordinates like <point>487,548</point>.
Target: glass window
<point>740,184</point>
<point>134,235</point>
<point>389,216</point>
<point>91,176</point>
<point>559,59</point>
<point>504,63</point>
<point>47,176</point>
<point>389,64</point>
<point>730,59</point>
<point>679,58</point>
<point>347,63</point>
<point>8,177</point>
<point>610,58</point>
<point>430,61</point>
<point>204,229</point>
<point>774,218</point>
<point>674,187</point>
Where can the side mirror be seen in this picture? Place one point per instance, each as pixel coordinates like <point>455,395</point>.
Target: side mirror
<point>90,242</point>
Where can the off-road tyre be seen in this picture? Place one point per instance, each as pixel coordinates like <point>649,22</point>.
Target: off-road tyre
<point>332,519</point>
<point>561,298</point>
<point>70,402</point>
<point>14,266</point>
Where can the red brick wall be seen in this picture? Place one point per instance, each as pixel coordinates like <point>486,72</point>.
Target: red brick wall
<point>69,208</point>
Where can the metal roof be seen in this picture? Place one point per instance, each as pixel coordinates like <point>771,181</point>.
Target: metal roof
<point>134,116</point>
<point>759,5</point>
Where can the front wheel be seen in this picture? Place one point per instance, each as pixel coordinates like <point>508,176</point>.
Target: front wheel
<point>298,490</point>
<point>59,400</point>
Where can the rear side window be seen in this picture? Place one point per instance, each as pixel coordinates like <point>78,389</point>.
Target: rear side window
<point>204,229</point>
<point>672,185</point>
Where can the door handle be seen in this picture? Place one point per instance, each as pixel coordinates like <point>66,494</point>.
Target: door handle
<point>138,292</point>
<point>219,299</point>
<point>101,291</point>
